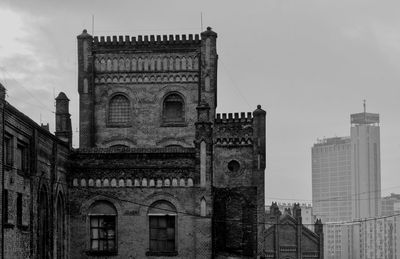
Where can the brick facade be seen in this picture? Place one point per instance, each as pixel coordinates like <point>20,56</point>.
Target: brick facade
<point>158,172</point>
<point>286,237</point>
<point>34,188</point>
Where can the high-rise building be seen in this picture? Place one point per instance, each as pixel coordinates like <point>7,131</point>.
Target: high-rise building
<point>331,189</point>
<point>365,164</point>
<point>365,180</point>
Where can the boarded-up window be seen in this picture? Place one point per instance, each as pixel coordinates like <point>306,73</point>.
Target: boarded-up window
<point>162,218</point>
<point>119,108</point>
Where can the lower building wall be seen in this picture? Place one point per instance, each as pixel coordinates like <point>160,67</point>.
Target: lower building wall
<point>193,232</point>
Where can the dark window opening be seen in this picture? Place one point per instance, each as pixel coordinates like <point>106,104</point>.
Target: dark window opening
<point>162,226</point>
<point>19,209</point>
<point>8,151</point>
<point>162,233</point>
<point>119,111</point>
<point>5,206</point>
<point>233,166</point>
<point>21,157</point>
<point>173,109</point>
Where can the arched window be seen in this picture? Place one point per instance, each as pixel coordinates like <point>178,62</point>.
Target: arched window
<point>162,220</point>
<point>43,219</point>
<point>60,227</point>
<point>119,111</point>
<point>173,109</point>
<point>102,216</point>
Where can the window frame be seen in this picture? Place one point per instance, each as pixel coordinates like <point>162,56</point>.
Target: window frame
<point>20,209</point>
<point>171,216</point>
<point>8,152</point>
<point>152,238</point>
<point>167,122</point>
<point>114,217</point>
<point>105,240</point>
<point>24,157</point>
<point>112,124</point>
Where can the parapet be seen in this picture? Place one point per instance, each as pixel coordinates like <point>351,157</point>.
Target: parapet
<point>147,40</point>
<point>234,117</point>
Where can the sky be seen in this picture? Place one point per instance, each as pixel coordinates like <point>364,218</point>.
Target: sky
<point>309,64</point>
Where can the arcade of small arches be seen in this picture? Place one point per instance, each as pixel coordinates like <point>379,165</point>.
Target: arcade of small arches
<point>143,182</point>
<point>146,63</point>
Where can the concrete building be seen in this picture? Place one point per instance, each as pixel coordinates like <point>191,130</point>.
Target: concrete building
<point>331,189</point>
<point>286,236</point>
<point>346,185</point>
<point>391,204</point>
<point>366,165</point>
<point>365,175</point>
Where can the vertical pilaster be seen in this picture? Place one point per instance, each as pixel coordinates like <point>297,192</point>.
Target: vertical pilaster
<point>2,107</point>
<point>208,69</point>
<point>85,89</point>
<point>259,157</point>
<point>204,153</point>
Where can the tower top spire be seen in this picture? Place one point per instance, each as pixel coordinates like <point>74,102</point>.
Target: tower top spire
<point>365,105</point>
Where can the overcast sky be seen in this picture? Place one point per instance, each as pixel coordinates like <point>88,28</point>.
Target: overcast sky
<point>309,63</point>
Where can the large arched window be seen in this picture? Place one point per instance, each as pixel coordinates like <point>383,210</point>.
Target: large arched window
<point>119,111</point>
<point>173,109</point>
<point>43,218</point>
<point>60,228</point>
<point>102,216</point>
<point>162,225</point>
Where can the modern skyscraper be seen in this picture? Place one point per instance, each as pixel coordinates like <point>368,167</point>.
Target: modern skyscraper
<point>365,164</point>
<point>331,189</point>
<point>346,182</point>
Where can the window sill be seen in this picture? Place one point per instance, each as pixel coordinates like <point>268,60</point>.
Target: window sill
<point>173,124</point>
<point>8,225</point>
<point>154,253</point>
<point>119,125</point>
<point>23,173</point>
<point>23,227</point>
<point>8,166</point>
<point>101,253</point>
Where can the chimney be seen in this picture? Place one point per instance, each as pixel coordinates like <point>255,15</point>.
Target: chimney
<point>63,119</point>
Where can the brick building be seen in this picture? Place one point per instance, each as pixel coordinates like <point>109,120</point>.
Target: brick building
<point>286,237</point>
<point>158,172</point>
<point>33,184</point>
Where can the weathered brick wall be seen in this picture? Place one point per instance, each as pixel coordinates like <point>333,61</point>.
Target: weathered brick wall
<point>146,127</point>
<point>132,201</point>
<point>46,158</point>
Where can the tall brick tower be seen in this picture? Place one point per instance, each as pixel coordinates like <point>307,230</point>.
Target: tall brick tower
<point>155,157</point>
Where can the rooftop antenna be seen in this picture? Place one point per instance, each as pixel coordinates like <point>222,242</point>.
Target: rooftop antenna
<point>201,20</point>
<point>365,106</point>
<point>92,24</point>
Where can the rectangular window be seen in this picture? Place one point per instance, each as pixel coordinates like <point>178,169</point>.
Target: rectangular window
<point>19,209</point>
<point>21,157</point>
<point>8,150</point>
<point>162,233</point>
<point>102,234</point>
<point>5,206</point>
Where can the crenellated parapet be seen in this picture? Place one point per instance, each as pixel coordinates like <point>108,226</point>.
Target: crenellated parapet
<point>234,117</point>
<point>233,129</point>
<point>147,41</point>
